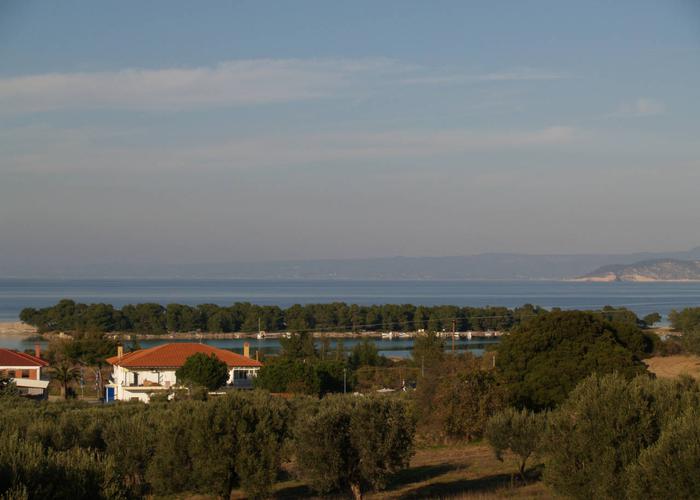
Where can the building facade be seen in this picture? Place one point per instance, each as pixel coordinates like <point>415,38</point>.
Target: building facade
<point>25,371</point>
<point>139,374</point>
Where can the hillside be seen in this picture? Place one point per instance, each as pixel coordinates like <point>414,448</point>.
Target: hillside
<point>648,270</point>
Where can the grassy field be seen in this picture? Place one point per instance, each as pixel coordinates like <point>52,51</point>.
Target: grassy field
<point>464,471</point>
<point>673,366</point>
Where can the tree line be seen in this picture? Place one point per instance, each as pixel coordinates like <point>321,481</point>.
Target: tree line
<point>151,318</point>
<point>68,315</point>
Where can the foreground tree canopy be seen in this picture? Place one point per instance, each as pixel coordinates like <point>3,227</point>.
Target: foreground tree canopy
<point>543,359</point>
<point>353,443</point>
<point>190,448</point>
<point>619,438</point>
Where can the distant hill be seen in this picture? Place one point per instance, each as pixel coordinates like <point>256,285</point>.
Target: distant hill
<point>487,266</point>
<point>648,270</point>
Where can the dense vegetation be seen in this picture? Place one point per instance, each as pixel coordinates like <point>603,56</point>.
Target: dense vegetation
<point>207,447</point>
<point>245,317</point>
<point>204,371</point>
<point>613,437</point>
<point>353,443</point>
<point>687,321</point>
<point>542,361</point>
<point>567,393</point>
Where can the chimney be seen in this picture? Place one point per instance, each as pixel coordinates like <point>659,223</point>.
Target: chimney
<point>37,350</point>
<point>120,351</point>
<point>257,355</point>
<point>246,349</point>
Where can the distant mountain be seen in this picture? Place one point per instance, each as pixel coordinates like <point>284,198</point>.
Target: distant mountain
<point>488,266</point>
<point>648,270</point>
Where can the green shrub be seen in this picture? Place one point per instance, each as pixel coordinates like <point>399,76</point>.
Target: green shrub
<point>353,443</point>
<point>604,426</point>
<point>669,468</point>
<point>518,431</point>
<point>202,370</point>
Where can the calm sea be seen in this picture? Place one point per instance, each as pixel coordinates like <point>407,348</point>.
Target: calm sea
<point>642,298</point>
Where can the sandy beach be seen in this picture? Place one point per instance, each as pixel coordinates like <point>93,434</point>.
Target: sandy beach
<point>16,328</point>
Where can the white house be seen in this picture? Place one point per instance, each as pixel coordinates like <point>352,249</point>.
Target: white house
<point>137,375</point>
<point>25,371</point>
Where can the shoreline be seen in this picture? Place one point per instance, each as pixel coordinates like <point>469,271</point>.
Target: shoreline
<point>17,328</point>
<point>23,330</point>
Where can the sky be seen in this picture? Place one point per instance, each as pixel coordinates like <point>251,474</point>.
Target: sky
<point>178,131</point>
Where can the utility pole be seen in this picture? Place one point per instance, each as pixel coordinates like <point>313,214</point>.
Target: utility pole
<point>454,334</point>
<point>345,380</point>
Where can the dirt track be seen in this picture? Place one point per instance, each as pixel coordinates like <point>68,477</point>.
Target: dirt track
<point>673,366</point>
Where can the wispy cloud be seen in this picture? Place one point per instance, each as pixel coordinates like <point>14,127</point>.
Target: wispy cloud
<point>47,150</point>
<point>643,106</point>
<point>522,74</point>
<point>233,83</point>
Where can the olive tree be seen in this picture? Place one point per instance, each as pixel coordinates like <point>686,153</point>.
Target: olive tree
<point>213,446</point>
<point>669,468</point>
<point>353,443</point>
<point>602,429</point>
<point>521,432</point>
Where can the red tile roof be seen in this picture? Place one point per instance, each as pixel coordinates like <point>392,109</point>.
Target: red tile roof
<point>15,358</point>
<point>175,355</point>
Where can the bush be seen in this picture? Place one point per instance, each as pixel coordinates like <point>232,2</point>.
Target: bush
<point>691,341</point>
<point>353,443</point>
<point>206,371</point>
<point>210,447</point>
<point>312,376</point>
<point>604,426</point>
<point>456,398</point>
<point>686,320</point>
<point>669,468</point>
<point>27,470</point>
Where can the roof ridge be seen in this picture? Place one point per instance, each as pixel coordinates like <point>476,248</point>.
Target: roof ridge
<point>26,357</point>
<point>148,357</point>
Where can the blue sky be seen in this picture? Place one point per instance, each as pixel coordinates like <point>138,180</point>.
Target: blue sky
<point>224,131</point>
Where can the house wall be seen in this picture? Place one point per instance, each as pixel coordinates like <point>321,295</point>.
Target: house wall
<point>123,378</point>
<point>31,372</point>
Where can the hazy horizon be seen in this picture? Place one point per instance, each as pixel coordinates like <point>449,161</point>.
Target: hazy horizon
<point>172,132</point>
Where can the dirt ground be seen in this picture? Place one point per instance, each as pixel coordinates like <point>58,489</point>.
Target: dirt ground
<point>464,471</point>
<point>673,366</point>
